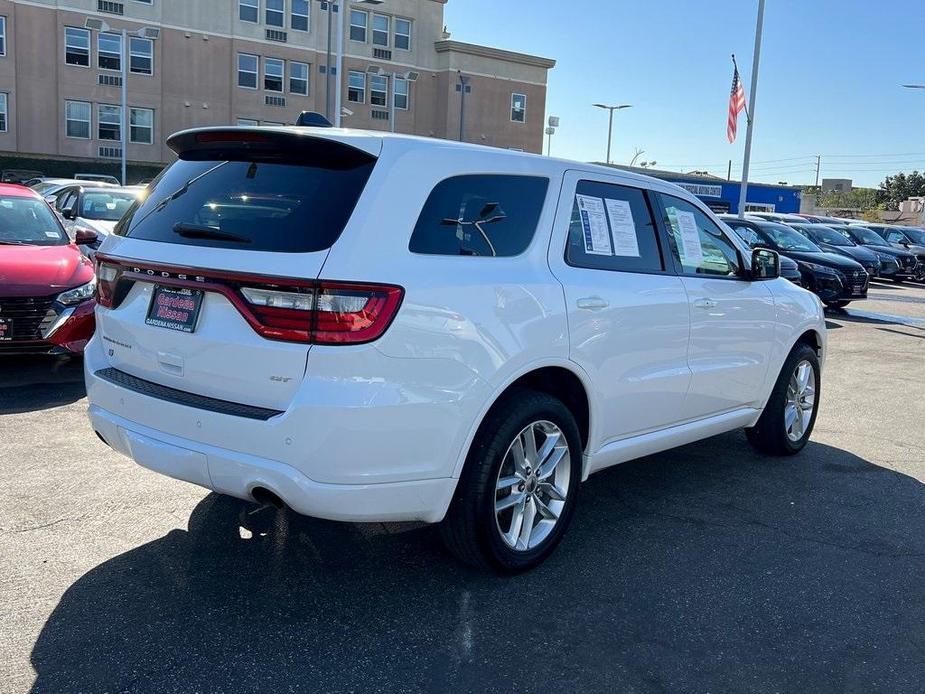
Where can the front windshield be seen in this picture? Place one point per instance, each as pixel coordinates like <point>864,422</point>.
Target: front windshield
<point>105,206</point>
<point>29,221</point>
<point>869,237</point>
<point>828,235</point>
<point>786,239</point>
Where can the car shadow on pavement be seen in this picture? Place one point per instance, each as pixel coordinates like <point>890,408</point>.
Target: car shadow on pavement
<point>35,383</point>
<point>707,568</point>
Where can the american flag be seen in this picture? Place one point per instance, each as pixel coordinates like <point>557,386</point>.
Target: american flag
<point>736,106</point>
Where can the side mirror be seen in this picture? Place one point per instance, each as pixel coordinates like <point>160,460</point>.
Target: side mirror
<point>765,264</point>
<point>69,212</point>
<point>84,237</point>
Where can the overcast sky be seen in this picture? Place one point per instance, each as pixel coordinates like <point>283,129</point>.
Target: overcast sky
<point>830,74</point>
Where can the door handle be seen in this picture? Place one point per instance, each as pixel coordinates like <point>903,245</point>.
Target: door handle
<point>592,303</point>
<point>705,304</point>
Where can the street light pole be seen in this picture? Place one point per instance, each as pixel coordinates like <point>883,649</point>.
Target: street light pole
<point>338,94</point>
<point>327,64</point>
<point>150,33</point>
<point>123,129</point>
<point>611,109</point>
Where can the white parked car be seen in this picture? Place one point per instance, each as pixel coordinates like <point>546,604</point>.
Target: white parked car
<point>367,327</point>
<point>93,211</point>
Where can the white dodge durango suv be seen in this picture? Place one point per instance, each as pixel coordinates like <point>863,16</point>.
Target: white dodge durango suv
<point>367,327</point>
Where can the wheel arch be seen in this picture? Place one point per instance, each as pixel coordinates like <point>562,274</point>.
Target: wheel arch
<point>563,380</point>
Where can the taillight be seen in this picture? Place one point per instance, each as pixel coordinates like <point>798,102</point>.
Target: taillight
<point>328,313</point>
<point>289,310</point>
<point>107,279</point>
<point>353,313</point>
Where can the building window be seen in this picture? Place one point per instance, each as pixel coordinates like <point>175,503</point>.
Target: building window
<point>77,46</point>
<point>379,90</point>
<point>77,119</point>
<point>109,122</point>
<point>273,123</point>
<point>249,10</point>
<point>275,9</point>
<point>273,74</point>
<point>519,108</point>
<point>381,24</point>
<point>247,70</point>
<point>400,93</point>
<point>2,35</point>
<point>4,119</point>
<point>358,23</point>
<point>141,126</point>
<point>356,87</point>
<point>299,18</point>
<point>403,34</point>
<point>109,51</point>
<point>141,56</point>
<point>247,122</point>
<point>298,78</point>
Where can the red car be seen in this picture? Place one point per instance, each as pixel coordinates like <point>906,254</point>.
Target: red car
<point>46,283</point>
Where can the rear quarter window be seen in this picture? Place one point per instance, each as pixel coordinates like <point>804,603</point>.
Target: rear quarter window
<point>480,215</point>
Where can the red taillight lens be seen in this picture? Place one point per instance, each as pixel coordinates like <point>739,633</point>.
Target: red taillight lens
<point>107,279</point>
<point>329,313</point>
<point>353,313</point>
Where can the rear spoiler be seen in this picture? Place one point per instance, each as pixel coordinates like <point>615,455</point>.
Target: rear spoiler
<point>295,144</point>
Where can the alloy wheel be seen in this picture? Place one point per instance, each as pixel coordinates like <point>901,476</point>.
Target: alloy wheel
<point>532,485</point>
<point>801,400</point>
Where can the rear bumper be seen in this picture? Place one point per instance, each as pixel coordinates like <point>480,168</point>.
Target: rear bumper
<point>238,474</point>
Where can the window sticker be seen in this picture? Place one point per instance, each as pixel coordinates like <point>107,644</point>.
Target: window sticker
<point>623,227</point>
<point>689,246</point>
<point>594,225</point>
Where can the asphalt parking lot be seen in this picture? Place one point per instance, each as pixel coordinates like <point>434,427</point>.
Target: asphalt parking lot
<point>705,569</point>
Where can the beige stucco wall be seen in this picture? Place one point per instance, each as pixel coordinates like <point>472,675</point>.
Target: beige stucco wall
<point>195,77</point>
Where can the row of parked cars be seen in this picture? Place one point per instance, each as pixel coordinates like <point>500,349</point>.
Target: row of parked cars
<point>833,257</point>
<point>49,233</point>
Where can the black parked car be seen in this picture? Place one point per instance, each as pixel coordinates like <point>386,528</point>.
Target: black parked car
<point>832,241</point>
<point>835,279</point>
<point>789,270</point>
<point>905,239</point>
<point>861,234</point>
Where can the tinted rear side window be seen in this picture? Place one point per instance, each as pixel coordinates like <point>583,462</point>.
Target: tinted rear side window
<point>480,215</point>
<point>251,205</point>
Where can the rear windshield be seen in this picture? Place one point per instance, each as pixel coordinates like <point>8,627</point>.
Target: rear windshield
<point>251,205</point>
<point>105,205</point>
<point>28,221</point>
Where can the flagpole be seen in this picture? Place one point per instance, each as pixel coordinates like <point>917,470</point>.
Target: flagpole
<point>750,114</point>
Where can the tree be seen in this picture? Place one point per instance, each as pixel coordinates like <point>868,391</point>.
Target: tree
<point>855,199</point>
<point>895,189</point>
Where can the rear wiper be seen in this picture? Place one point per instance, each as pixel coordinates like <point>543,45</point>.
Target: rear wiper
<point>200,231</point>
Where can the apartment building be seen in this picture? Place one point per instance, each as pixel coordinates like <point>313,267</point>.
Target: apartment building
<point>216,62</point>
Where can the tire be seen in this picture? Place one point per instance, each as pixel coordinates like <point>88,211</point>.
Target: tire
<point>473,529</point>
<point>771,434</point>
<point>837,304</point>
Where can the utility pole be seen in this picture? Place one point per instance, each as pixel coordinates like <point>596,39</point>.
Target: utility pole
<point>818,166</point>
<point>327,65</point>
<point>756,62</point>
